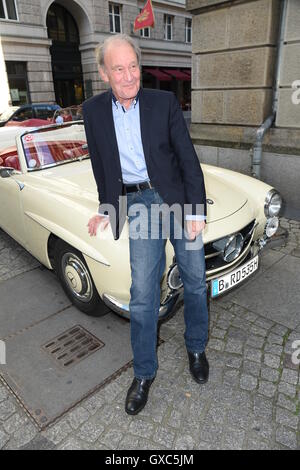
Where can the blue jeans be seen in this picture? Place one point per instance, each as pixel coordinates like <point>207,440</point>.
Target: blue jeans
<point>147,259</point>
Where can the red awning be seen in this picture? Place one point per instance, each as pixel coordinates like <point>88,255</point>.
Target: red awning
<point>178,74</point>
<point>159,74</point>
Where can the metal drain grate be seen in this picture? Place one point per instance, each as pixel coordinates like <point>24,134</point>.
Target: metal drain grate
<point>72,346</point>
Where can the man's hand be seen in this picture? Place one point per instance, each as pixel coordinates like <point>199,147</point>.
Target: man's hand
<point>94,223</point>
<point>194,228</point>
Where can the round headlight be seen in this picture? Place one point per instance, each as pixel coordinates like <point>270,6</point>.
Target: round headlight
<point>174,279</point>
<point>273,203</point>
<point>271,226</point>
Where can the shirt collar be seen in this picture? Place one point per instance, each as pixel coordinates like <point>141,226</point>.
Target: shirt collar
<point>116,102</point>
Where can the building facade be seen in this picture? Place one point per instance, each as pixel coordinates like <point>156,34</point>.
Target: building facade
<point>47,48</point>
<point>246,63</point>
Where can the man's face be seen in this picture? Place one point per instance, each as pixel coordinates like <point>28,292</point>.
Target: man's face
<point>121,70</point>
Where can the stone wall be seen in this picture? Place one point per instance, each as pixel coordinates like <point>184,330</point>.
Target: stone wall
<point>233,80</point>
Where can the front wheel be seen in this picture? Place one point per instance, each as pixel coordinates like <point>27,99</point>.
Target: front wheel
<point>77,281</point>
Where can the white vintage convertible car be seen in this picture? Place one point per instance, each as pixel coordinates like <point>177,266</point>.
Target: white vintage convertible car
<point>48,194</point>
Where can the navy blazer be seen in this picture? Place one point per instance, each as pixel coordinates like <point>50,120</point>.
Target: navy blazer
<point>172,163</point>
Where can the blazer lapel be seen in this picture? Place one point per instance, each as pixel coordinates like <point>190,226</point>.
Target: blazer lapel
<point>111,133</point>
<point>145,119</point>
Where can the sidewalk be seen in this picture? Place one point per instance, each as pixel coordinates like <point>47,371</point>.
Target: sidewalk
<point>252,400</point>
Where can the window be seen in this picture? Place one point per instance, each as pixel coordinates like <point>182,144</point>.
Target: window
<point>8,10</point>
<point>168,20</point>
<point>115,18</point>
<point>188,30</point>
<point>18,83</point>
<point>145,32</point>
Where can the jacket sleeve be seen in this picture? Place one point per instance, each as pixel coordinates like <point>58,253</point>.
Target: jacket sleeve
<point>96,162</point>
<point>187,158</point>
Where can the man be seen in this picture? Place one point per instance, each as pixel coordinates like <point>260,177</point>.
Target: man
<point>140,147</point>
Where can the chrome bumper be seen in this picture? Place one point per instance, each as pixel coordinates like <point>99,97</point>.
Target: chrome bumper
<point>123,309</point>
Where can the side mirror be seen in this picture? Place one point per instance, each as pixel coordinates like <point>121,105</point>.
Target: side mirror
<point>6,172</point>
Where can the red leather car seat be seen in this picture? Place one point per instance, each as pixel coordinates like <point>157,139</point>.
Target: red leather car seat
<point>13,162</point>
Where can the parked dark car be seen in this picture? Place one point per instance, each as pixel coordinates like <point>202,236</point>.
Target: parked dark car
<point>28,111</point>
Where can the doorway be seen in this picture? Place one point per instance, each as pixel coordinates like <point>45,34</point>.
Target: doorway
<point>65,56</point>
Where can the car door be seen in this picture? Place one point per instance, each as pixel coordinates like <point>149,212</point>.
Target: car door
<point>11,210</point>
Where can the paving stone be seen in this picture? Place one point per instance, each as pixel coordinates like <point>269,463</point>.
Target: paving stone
<point>186,442</point>
<point>257,444</point>
<point>4,438</point>
<point>286,437</point>
<point>272,361</point>
<point>175,419</point>
<point>233,438</point>
<point>14,423</point>
<point>253,354</point>
<point>216,413</point>
<point>290,376</point>
<point>164,436</point>
<point>262,428</point>
<point>262,407</point>
<point>267,389</point>
<point>247,382</point>
<point>263,323</point>
<point>280,330</point>
<point>78,417</point>
<point>287,418</point>
<point>72,444</point>
<point>58,432</point>
<point>7,408</point>
<point>231,377</point>
<point>270,374</point>
<point>287,403</point>
<point>141,428</point>
<point>251,317</point>
<point>24,435</point>
<point>273,349</point>
<point>111,438</point>
<point>234,362</point>
<point>212,433</point>
<point>129,442</point>
<point>144,444</point>
<point>234,346</point>
<point>4,394</point>
<point>38,443</point>
<point>287,389</point>
<point>216,344</point>
<point>252,368</point>
<point>256,341</point>
<point>275,339</point>
<point>93,404</point>
<point>90,432</point>
<point>256,330</point>
<point>239,417</point>
<point>218,333</point>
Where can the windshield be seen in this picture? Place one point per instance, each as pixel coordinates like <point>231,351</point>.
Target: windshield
<point>8,113</point>
<point>54,146</point>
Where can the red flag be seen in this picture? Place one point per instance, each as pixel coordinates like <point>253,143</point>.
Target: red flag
<point>145,18</point>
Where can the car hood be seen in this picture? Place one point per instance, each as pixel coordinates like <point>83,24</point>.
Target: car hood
<point>75,181</point>
<point>222,199</point>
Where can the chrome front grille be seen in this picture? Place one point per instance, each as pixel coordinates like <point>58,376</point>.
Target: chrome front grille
<point>214,259</point>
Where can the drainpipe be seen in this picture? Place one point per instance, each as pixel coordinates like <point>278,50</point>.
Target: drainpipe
<point>261,131</point>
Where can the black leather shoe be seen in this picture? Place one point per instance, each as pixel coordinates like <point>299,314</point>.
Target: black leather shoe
<point>199,367</point>
<point>137,395</point>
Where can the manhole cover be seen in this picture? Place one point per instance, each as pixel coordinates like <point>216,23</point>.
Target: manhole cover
<point>72,346</point>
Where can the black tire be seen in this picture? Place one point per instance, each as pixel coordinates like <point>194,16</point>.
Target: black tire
<point>76,280</point>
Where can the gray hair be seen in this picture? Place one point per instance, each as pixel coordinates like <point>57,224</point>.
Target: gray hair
<point>101,48</point>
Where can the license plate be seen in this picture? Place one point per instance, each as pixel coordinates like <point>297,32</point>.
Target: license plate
<point>226,282</point>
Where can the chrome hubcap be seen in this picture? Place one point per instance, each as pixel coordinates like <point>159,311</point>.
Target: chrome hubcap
<point>77,277</point>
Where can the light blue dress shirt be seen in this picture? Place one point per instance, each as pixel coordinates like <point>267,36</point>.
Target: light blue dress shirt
<point>128,132</point>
